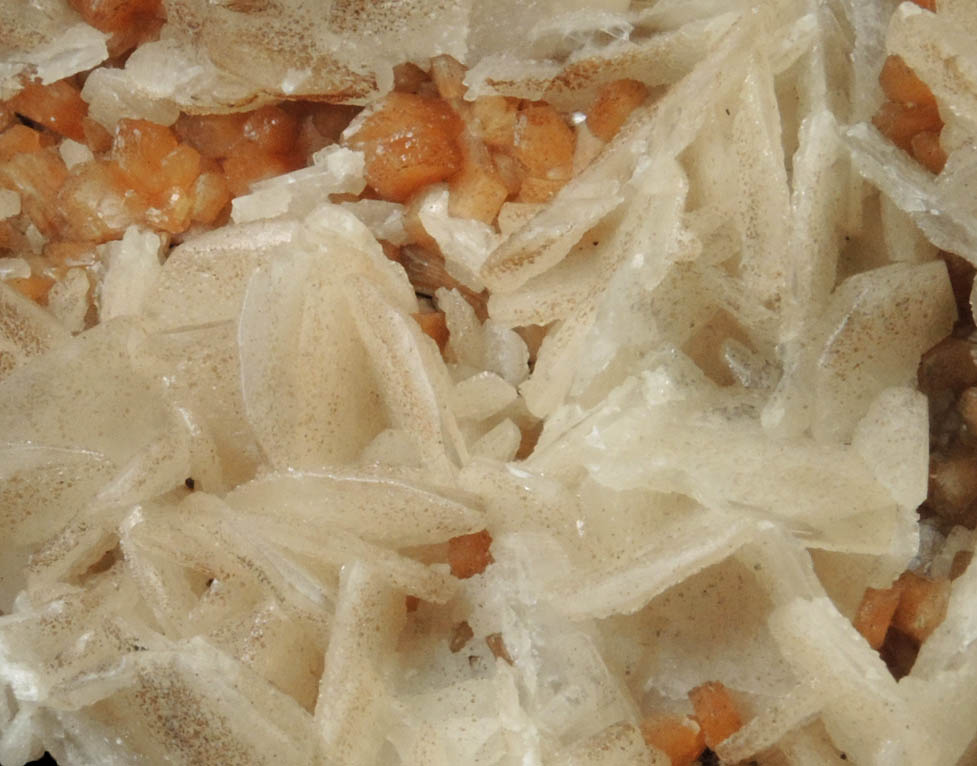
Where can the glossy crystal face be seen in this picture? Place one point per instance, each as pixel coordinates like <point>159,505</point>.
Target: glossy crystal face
<point>443,383</point>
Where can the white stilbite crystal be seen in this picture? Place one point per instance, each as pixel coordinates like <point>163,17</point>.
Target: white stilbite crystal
<point>78,48</point>
<point>926,41</point>
<point>770,726</point>
<point>465,244</point>
<point>35,239</point>
<point>353,693</point>
<point>947,699</point>
<point>14,268</point>
<point>617,745</point>
<point>9,203</point>
<point>816,203</point>
<point>110,419</point>
<point>368,503</point>
<point>763,198</point>
<point>256,515</point>
<point>110,96</point>
<point>481,396</point>
<point>384,219</point>
<point>336,170</point>
<point>659,59</point>
<point>512,215</point>
<point>204,280</point>
<point>74,153</point>
<point>684,547</point>
<point>256,722</point>
<point>501,443</point>
<point>19,742</point>
<point>413,381</point>
<point>941,217</point>
<point>295,310</point>
<point>902,237</point>
<point>68,300</point>
<point>30,515</point>
<point>48,40</point>
<point>876,327</point>
<point>891,439</point>
<point>465,337</point>
<point>960,541</point>
<point>392,447</point>
<point>132,266</point>
<point>810,746</point>
<point>954,638</point>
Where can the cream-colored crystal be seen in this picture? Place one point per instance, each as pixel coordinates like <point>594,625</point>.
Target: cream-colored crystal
<point>255,514</point>
<point>9,203</point>
<point>132,266</point>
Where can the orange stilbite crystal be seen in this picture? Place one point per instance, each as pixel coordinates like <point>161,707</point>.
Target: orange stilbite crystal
<point>613,106</point>
<point>57,106</point>
<point>129,22</point>
<point>468,555</point>
<point>95,203</point>
<point>544,143</point>
<point>244,168</point>
<point>715,711</point>
<point>922,605</point>
<point>19,139</point>
<point>495,120</point>
<point>271,129</point>
<point>926,148</point>
<point>680,738</point>
<point>478,189</point>
<point>210,197</point>
<point>434,326</point>
<point>900,83</point>
<point>36,176</point>
<point>35,287</point>
<point>875,613</point>
<point>900,122</point>
<point>448,75</point>
<point>213,135</point>
<point>139,149</point>
<point>910,118</point>
<point>409,141</point>
<point>114,15</point>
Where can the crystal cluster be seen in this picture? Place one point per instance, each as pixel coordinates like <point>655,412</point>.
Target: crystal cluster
<point>245,515</point>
